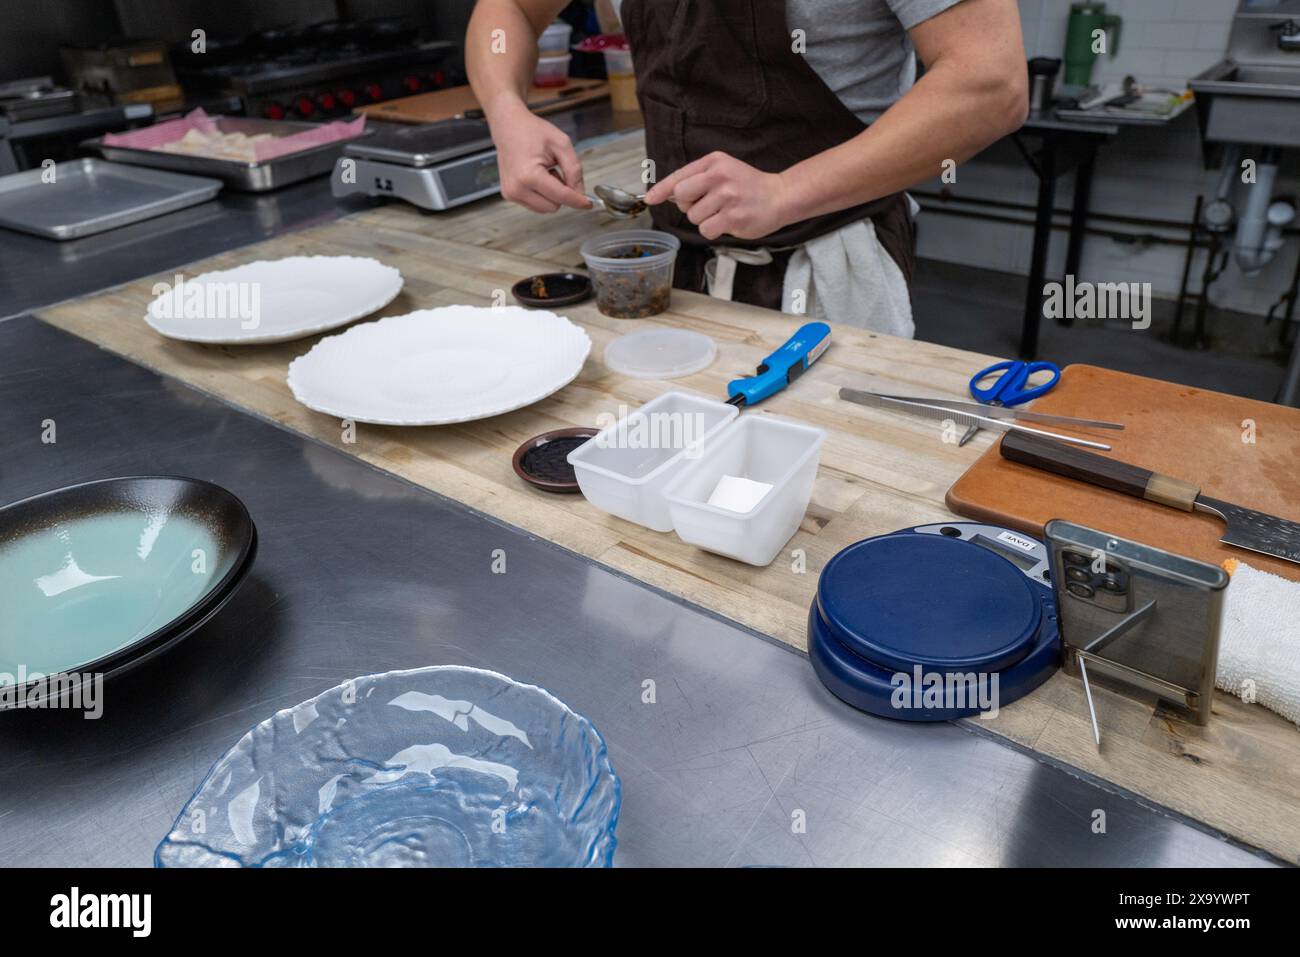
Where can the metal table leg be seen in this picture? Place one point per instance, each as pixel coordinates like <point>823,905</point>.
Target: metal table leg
<point>1046,170</point>
<point>1079,218</point>
<point>1290,394</point>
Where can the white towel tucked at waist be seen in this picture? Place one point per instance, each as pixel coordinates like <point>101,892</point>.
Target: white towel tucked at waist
<point>846,276</point>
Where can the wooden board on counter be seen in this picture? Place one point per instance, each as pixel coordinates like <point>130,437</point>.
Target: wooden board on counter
<point>457,100</point>
<point>879,472</point>
<point>1237,450</point>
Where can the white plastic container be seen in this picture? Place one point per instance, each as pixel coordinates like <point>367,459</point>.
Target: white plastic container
<point>554,40</point>
<point>623,470</point>
<point>622,80</point>
<point>552,71</point>
<point>780,453</point>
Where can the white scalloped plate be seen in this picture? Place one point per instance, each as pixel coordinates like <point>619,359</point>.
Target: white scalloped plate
<point>274,300</point>
<point>440,366</point>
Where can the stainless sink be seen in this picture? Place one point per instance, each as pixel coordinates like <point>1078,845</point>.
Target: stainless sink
<point>1249,103</point>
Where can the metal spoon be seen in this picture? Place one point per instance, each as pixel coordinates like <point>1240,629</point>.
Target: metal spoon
<point>619,202</point>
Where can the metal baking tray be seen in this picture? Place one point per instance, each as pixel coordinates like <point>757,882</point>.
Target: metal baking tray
<point>89,196</point>
<point>250,177</point>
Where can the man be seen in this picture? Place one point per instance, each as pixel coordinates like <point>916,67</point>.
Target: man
<point>782,133</point>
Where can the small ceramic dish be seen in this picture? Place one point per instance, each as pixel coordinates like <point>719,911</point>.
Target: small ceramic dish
<point>440,366</point>
<point>438,767</point>
<point>543,461</point>
<point>100,577</point>
<point>551,290</point>
<point>273,300</point>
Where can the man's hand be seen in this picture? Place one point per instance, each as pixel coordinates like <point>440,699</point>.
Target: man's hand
<point>500,54</point>
<point>724,196</point>
<point>528,149</point>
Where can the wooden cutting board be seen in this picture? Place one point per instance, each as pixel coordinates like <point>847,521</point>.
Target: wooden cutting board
<point>455,101</point>
<point>1238,450</point>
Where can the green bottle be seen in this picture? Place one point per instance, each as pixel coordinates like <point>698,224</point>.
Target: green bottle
<point>1086,19</point>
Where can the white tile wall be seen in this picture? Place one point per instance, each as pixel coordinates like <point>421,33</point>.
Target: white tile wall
<point>1150,172</point>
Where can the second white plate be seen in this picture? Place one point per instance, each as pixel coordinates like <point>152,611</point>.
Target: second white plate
<point>440,366</point>
<point>273,300</point>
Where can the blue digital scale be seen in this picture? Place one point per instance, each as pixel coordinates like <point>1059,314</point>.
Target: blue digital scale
<point>935,622</point>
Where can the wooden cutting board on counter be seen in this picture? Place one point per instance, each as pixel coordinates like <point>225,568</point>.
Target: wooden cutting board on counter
<point>1238,450</point>
<point>457,100</point>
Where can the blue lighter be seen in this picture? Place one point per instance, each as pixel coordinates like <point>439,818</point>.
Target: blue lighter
<point>781,367</point>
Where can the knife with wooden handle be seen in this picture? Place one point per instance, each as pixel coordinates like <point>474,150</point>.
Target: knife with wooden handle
<point>1246,527</point>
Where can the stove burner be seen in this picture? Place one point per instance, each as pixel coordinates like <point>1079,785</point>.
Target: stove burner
<point>322,69</point>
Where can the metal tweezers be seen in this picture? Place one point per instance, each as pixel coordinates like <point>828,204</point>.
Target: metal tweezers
<point>995,418</point>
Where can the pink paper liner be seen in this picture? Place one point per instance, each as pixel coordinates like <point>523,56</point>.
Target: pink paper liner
<point>156,136</point>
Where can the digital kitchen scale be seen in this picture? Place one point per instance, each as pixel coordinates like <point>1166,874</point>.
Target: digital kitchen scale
<point>432,165</point>
<point>935,622</point>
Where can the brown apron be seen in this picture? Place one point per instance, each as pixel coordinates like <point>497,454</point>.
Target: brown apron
<point>723,75</point>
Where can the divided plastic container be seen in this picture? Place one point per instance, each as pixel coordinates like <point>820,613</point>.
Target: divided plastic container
<point>668,487</point>
<point>779,453</point>
<point>623,470</point>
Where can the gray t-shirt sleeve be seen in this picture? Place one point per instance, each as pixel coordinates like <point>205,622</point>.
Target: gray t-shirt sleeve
<point>912,12</point>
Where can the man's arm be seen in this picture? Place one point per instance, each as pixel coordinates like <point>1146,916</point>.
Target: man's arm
<point>974,91</point>
<point>501,55</point>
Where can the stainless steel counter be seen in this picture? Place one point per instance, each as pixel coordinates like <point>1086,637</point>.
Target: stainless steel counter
<point>359,572</point>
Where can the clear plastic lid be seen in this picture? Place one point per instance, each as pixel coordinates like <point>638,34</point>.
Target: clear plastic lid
<point>660,353</point>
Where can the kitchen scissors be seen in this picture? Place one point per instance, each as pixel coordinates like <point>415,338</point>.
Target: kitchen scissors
<point>1010,386</point>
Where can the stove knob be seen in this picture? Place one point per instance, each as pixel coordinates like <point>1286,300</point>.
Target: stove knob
<point>327,102</point>
<point>348,98</point>
<point>304,105</point>
<point>273,111</point>
<point>411,83</point>
<point>375,92</point>
<point>438,79</point>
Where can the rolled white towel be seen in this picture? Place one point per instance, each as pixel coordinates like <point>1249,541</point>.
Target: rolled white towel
<point>1259,647</point>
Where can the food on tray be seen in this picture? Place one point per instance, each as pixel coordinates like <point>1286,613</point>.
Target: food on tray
<point>234,139</point>
<point>218,145</point>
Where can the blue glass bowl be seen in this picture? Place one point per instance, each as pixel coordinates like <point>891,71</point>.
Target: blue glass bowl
<point>437,767</point>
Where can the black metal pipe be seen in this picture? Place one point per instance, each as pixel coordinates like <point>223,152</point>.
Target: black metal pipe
<point>1115,234</point>
<point>945,198</point>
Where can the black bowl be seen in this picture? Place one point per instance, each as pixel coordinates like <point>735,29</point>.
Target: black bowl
<point>51,520</point>
<point>562,289</point>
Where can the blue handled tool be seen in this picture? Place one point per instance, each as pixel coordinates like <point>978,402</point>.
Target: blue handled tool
<point>1010,386</point>
<point>782,367</point>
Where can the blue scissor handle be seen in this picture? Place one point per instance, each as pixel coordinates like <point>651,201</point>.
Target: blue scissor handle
<point>1010,386</point>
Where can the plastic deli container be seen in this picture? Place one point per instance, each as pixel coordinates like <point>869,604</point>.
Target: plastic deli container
<point>632,271</point>
<point>552,71</point>
<point>622,80</point>
<point>623,470</point>
<point>760,448</point>
<point>554,40</point>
